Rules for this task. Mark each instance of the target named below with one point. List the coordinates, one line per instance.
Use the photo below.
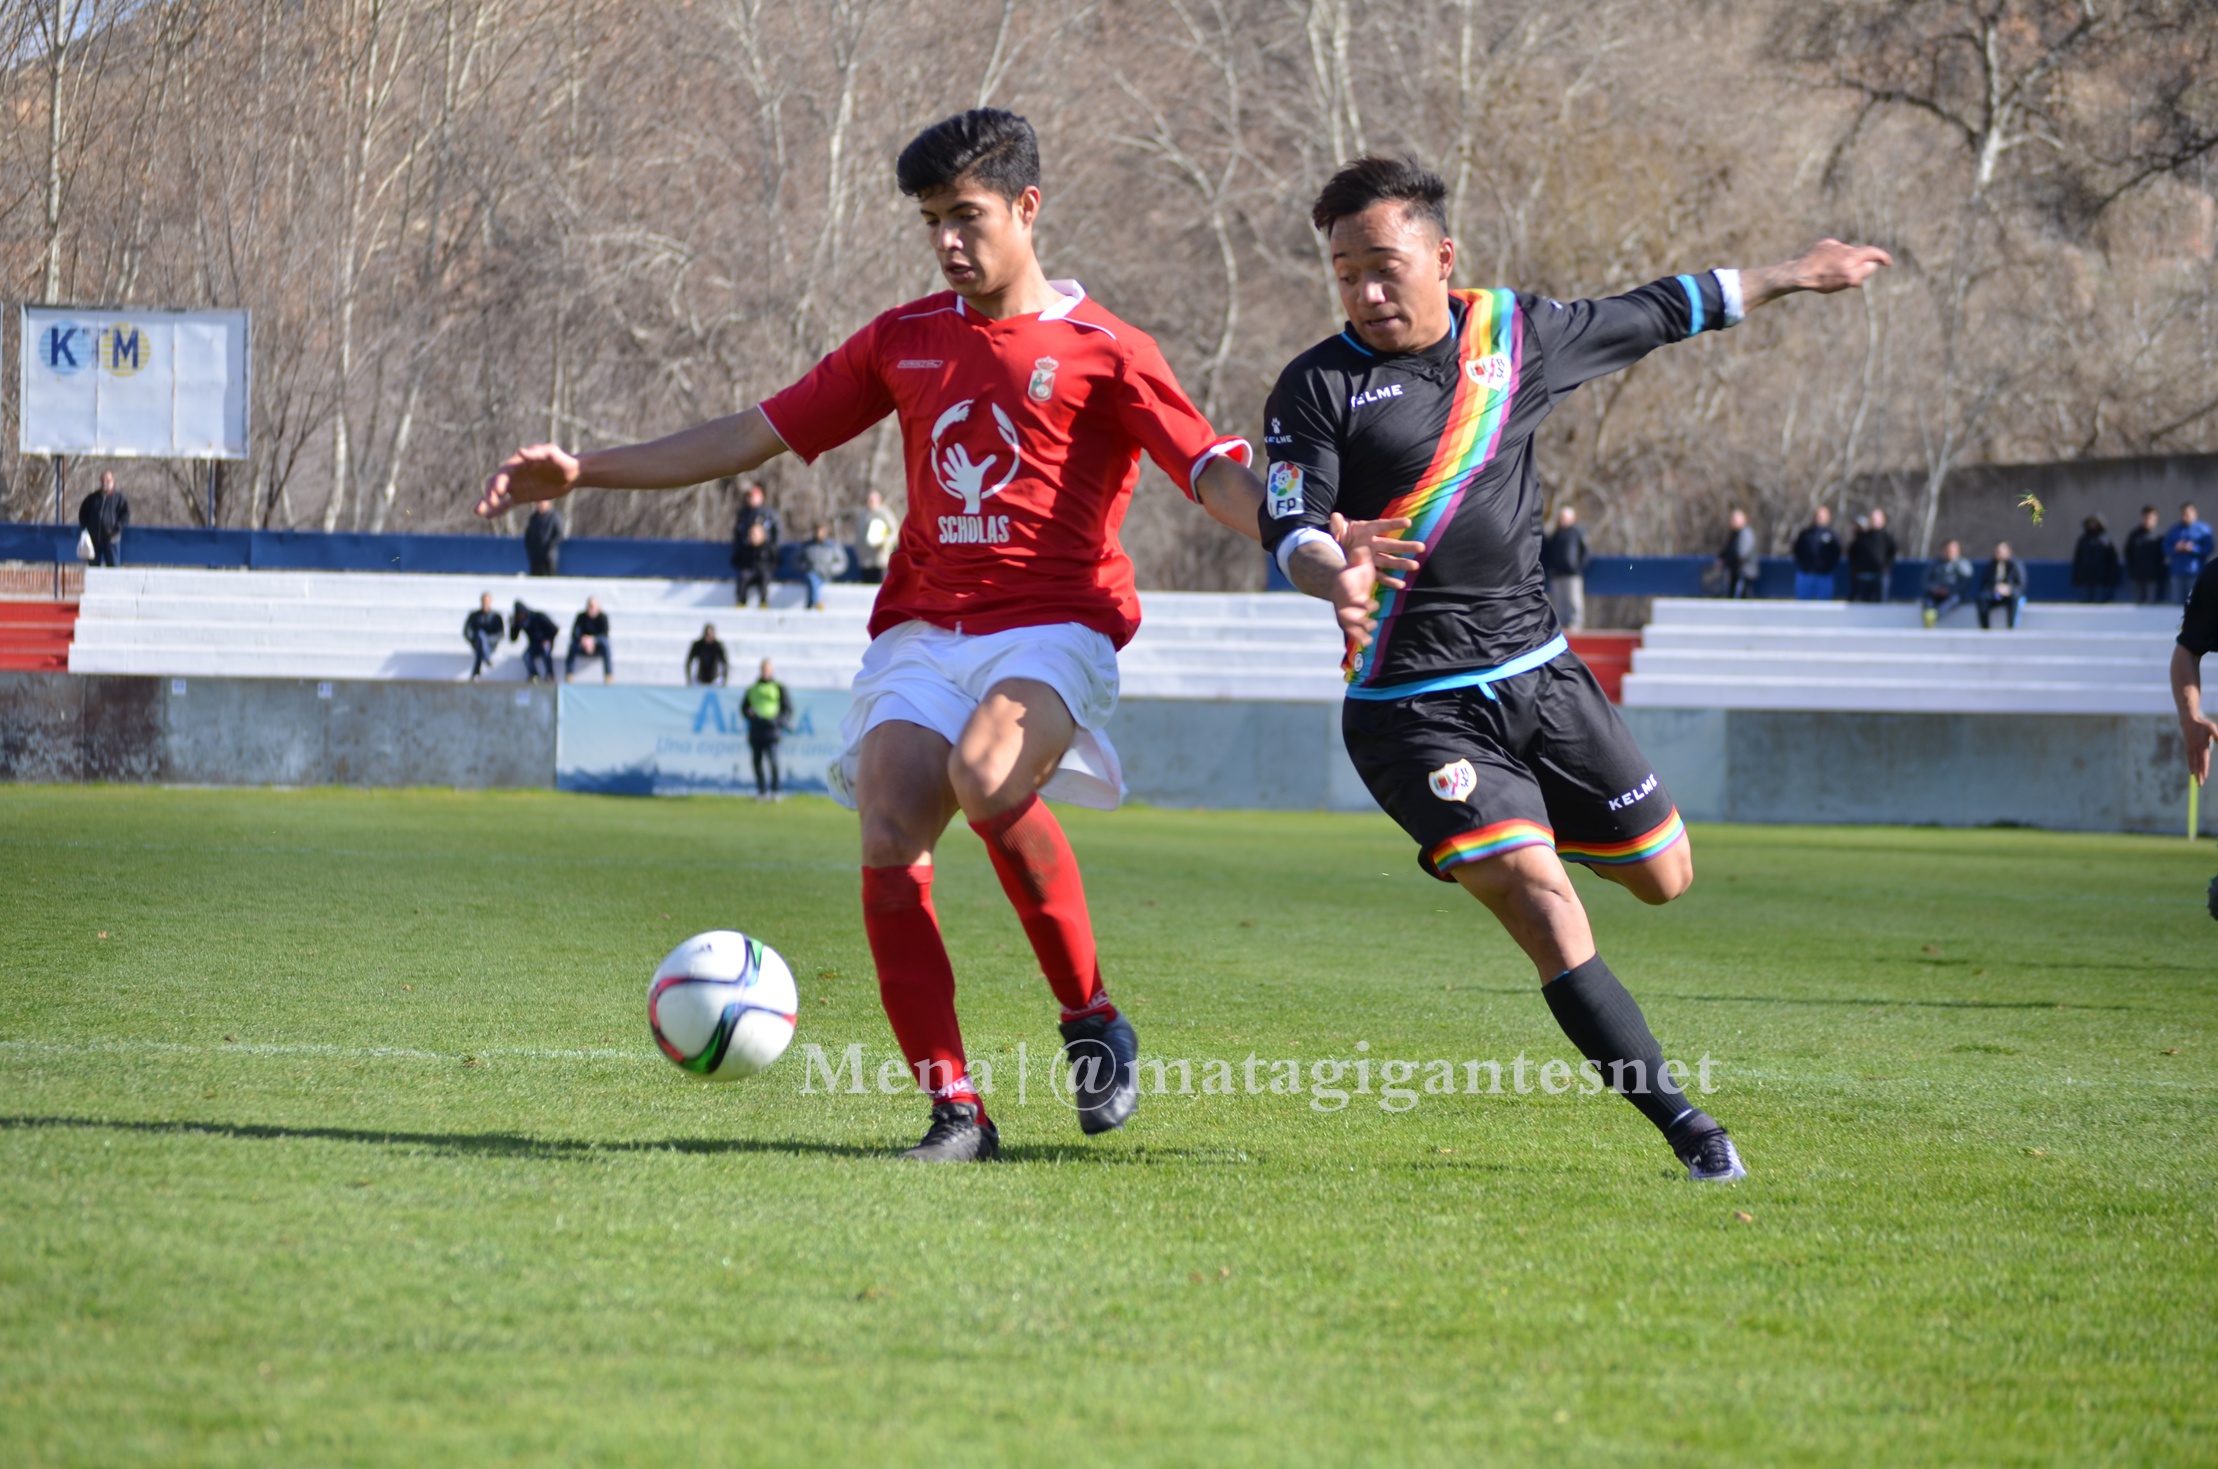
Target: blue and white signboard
(125, 381)
(618, 741)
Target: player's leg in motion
(1531, 894)
(1007, 752)
(905, 802)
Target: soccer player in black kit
(1467, 715)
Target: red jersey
(1023, 441)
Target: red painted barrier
(35, 636)
(1610, 655)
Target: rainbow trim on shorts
(1474, 430)
(1487, 841)
(1622, 854)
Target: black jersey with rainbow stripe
(1444, 436)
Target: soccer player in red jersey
(1024, 407)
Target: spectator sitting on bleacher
(2095, 562)
(705, 661)
(1948, 581)
(2001, 584)
(1871, 560)
(755, 537)
(1737, 557)
(482, 630)
(589, 639)
(2145, 560)
(2186, 547)
(1817, 551)
(539, 632)
(822, 560)
(875, 534)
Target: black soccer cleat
(1712, 1158)
(957, 1136)
(1104, 1058)
(2210, 897)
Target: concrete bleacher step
(1716, 654)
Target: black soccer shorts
(1544, 762)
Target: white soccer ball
(722, 1005)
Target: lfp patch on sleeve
(1285, 487)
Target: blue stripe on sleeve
(1688, 284)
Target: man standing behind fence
(1871, 560)
(1563, 556)
(1817, 551)
(102, 515)
(769, 711)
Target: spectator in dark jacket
(1737, 557)
(822, 560)
(482, 630)
(755, 537)
(1817, 552)
(539, 632)
(589, 639)
(1948, 581)
(1871, 560)
(1563, 556)
(2145, 565)
(102, 515)
(2095, 562)
(705, 661)
(2001, 584)
(2186, 547)
(543, 539)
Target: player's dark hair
(1373, 180)
(996, 148)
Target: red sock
(915, 981)
(1040, 875)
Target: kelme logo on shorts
(1454, 781)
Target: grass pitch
(330, 1132)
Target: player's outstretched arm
(724, 446)
(1231, 494)
(1825, 267)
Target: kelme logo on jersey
(1454, 781)
(1490, 372)
(1285, 487)
(1042, 386)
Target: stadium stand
(35, 636)
(2062, 658)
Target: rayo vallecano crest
(1042, 386)
(1454, 781)
(1490, 372)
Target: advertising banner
(618, 741)
(129, 381)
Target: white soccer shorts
(927, 675)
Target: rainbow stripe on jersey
(1620, 854)
(1489, 356)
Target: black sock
(1605, 1023)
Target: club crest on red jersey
(1454, 781)
(1042, 386)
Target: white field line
(366, 1053)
